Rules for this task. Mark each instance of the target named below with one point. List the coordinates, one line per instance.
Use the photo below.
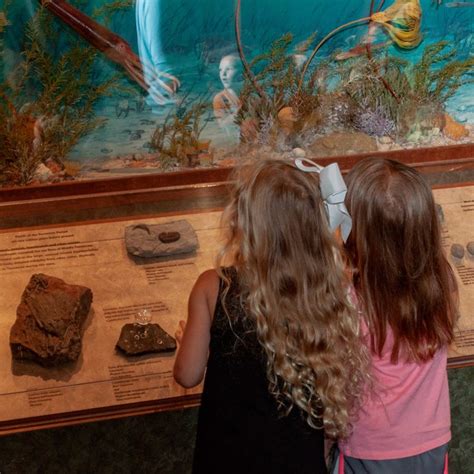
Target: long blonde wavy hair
(295, 288)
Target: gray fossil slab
(160, 240)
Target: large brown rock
(343, 143)
(49, 320)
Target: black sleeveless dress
(240, 429)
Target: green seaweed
(384, 88)
(277, 76)
(178, 138)
(422, 88)
(360, 80)
(107, 10)
(438, 75)
(49, 99)
(4, 24)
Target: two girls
(278, 331)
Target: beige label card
(94, 255)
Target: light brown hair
(294, 287)
(401, 273)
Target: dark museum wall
(163, 443)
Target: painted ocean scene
(94, 89)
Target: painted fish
(359, 50)
(459, 4)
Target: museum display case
(87, 241)
(129, 114)
(96, 90)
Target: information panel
(94, 255)
(456, 210)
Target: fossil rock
(470, 249)
(143, 240)
(136, 339)
(457, 252)
(169, 237)
(49, 321)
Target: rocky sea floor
(330, 144)
(121, 146)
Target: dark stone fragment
(457, 251)
(49, 320)
(470, 248)
(168, 237)
(136, 339)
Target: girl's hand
(180, 331)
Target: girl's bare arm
(191, 360)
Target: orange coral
(453, 129)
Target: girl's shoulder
(208, 278)
(207, 285)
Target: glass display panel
(94, 89)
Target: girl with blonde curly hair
(276, 330)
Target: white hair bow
(333, 191)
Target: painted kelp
(105, 95)
(47, 103)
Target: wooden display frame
(138, 187)
(171, 194)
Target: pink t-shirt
(407, 414)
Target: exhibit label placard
(94, 255)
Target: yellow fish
(3, 21)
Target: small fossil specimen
(168, 237)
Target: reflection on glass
(226, 103)
(162, 85)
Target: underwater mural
(92, 89)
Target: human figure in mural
(226, 103)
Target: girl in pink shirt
(407, 293)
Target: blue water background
(189, 27)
